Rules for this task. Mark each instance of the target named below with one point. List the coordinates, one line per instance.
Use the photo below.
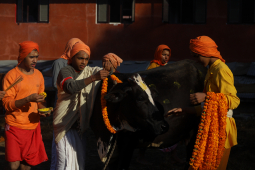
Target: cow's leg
(126, 143)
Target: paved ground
(242, 156)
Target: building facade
(130, 28)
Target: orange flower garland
(103, 102)
(223, 108)
(209, 146)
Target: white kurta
(70, 152)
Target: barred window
(115, 11)
(184, 11)
(32, 11)
(241, 11)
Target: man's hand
(35, 98)
(102, 74)
(42, 105)
(175, 110)
(43, 114)
(107, 65)
(188, 110)
(197, 98)
(2, 93)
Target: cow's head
(131, 107)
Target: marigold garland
(103, 102)
(211, 136)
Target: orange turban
(158, 54)
(26, 47)
(205, 46)
(76, 48)
(69, 47)
(114, 59)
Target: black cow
(128, 103)
(130, 108)
(174, 83)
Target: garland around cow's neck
(209, 146)
(103, 102)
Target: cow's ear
(117, 95)
(131, 81)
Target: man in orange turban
(113, 59)
(219, 79)
(23, 145)
(161, 57)
(57, 65)
(77, 85)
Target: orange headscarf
(25, 48)
(205, 46)
(69, 47)
(76, 48)
(114, 59)
(158, 54)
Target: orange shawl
(69, 47)
(158, 54)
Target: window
(241, 11)
(115, 11)
(32, 11)
(184, 11)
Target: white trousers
(69, 152)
